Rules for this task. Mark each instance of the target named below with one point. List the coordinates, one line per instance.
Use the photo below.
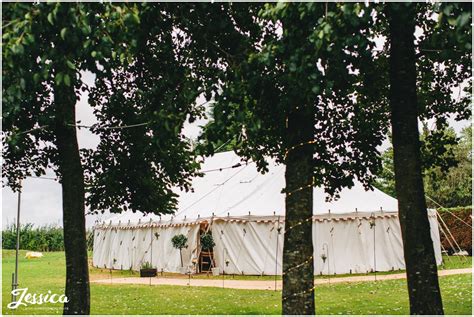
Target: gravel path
(259, 285)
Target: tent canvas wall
(244, 211)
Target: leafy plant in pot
(207, 242)
(179, 242)
(147, 270)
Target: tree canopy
(306, 55)
(447, 183)
(144, 92)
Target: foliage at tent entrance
(207, 242)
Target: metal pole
(15, 282)
(223, 270)
(375, 258)
(329, 267)
(151, 247)
(326, 252)
(276, 256)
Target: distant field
(383, 297)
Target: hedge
(43, 239)
(459, 229)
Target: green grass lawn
(383, 297)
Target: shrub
(207, 242)
(147, 265)
(43, 239)
(179, 241)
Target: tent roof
(224, 191)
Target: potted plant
(179, 242)
(207, 242)
(147, 270)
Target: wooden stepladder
(206, 261)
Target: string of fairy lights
(291, 148)
(299, 223)
(300, 293)
(309, 260)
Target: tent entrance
(206, 253)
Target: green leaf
(67, 80)
(37, 77)
(136, 18)
(86, 29)
(94, 54)
(86, 43)
(58, 78)
(30, 38)
(327, 28)
(463, 19)
(63, 33)
(452, 21)
(70, 64)
(315, 89)
(18, 49)
(50, 18)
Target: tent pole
(276, 255)
(375, 254)
(223, 270)
(329, 267)
(151, 244)
(151, 247)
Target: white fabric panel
(131, 248)
(435, 236)
(114, 248)
(250, 247)
(104, 251)
(166, 257)
(97, 249)
(342, 245)
(348, 246)
(124, 253)
(142, 245)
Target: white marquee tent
(244, 210)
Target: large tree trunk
(72, 179)
(422, 276)
(298, 269)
